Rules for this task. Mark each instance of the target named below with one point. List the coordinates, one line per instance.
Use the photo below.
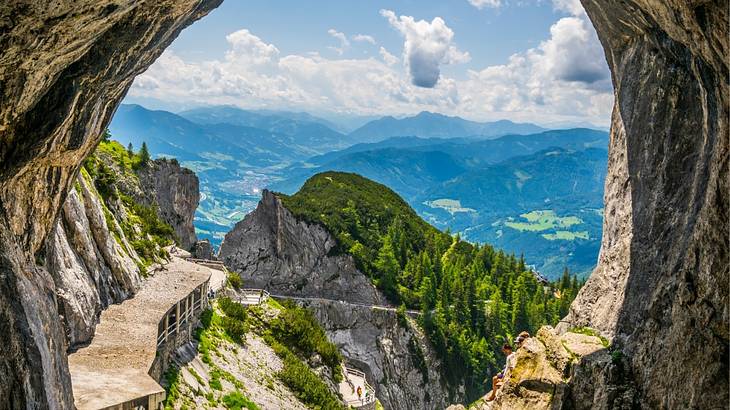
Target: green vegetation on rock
(473, 298)
(237, 401)
(298, 329)
(111, 169)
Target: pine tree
(144, 154)
(130, 150)
(388, 268)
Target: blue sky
(481, 59)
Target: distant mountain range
(427, 124)
(517, 186)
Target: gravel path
(113, 368)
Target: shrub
(297, 327)
(234, 280)
(303, 382)
(235, 322)
(237, 401)
(235, 329)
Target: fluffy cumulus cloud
(427, 46)
(563, 79)
(480, 4)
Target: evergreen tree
(144, 154)
(388, 269)
(130, 150)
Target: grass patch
(590, 332)
(566, 235)
(538, 221)
(172, 380)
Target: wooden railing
(369, 392)
(181, 313)
(252, 296)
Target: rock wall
(661, 287)
(65, 66)
(271, 249)
(91, 263)
(175, 192)
(394, 354)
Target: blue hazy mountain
(480, 151)
(304, 129)
(168, 134)
(427, 124)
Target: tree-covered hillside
(472, 297)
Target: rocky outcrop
(572, 371)
(91, 262)
(203, 250)
(661, 288)
(393, 352)
(273, 250)
(64, 68)
(174, 190)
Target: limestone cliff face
(394, 354)
(65, 66)
(91, 262)
(271, 249)
(174, 190)
(661, 287)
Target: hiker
(359, 393)
(497, 381)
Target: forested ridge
(473, 297)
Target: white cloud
(562, 79)
(427, 46)
(344, 42)
(388, 58)
(246, 46)
(573, 7)
(480, 4)
(364, 38)
(574, 53)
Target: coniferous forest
(472, 297)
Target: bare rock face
(91, 263)
(395, 355)
(661, 287)
(174, 190)
(203, 250)
(65, 66)
(271, 249)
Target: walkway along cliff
(661, 287)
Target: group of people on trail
(498, 380)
